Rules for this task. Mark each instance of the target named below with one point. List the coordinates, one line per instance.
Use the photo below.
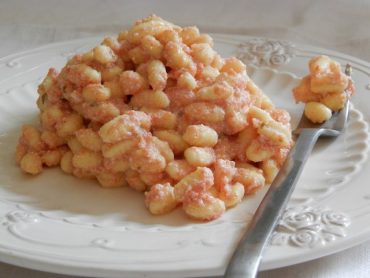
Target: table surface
(338, 25)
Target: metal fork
(246, 258)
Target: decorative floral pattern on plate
(309, 227)
(265, 52)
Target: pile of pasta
(159, 110)
(324, 90)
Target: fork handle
(246, 258)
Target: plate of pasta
(62, 221)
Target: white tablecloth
(338, 25)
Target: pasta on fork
(324, 90)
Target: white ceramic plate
(57, 223)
